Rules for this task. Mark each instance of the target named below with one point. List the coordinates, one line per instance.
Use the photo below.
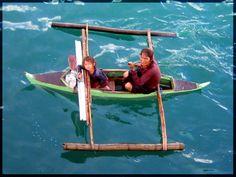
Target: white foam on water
(196, 7)
(203, 160)
(18, 8)
(28, 25)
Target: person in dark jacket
(144, 77)
(98, 78)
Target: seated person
(98, 79)
(143, 77)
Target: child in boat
(98, 79)
(145, 77)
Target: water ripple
(112, 48)
(42, 135)
(202, 160)
(20, 25)
(46, 22)
(28, 25)
(143, 10)
(217, 102)
(196, 6)
(18, 8)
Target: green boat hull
(52, 81)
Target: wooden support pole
(121, 147)
(162, 116)
(149, 39)
(84, 54)
(160, 104)
(88, 87)
(111, 30)
(87, 51)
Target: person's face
(89, 66)
(72, 65)
(145, 60)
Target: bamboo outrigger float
(111, 30)
(169, 84)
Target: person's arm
(144, 78)
(79, 69)
(102, 78)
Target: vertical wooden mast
(88, 87)
(160, 104)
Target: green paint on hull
(111, 94)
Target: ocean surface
(36, 122)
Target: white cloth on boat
(71, 79)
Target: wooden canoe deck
(184, 85)
(51, 78)
(54, 78)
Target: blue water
(36, 122)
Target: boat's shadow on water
(28, 88)
(82, 156)
(81, 129)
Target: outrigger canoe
(169, 85)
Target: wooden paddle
(160, 104)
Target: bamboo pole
(87, 39)
(160, 104)
(162, 116)
(88, 78)
(88, 94)
(121, 147)
(85, 77)
(111, 30)
(149, 39)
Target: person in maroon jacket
(144, 77)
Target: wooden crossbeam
(121, 147)
(111, 30)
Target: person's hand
(79, 76)
(131, 65)
(126, 74)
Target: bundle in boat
(122, 147)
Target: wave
(28, 25)
(196, 7)
(56, 2)
(142, 10)
(112, 48)
(201, 160)
(20, 25)
(46, 22)
(18, 8)
(217, 102)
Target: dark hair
(89, 59)
(148, 52)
